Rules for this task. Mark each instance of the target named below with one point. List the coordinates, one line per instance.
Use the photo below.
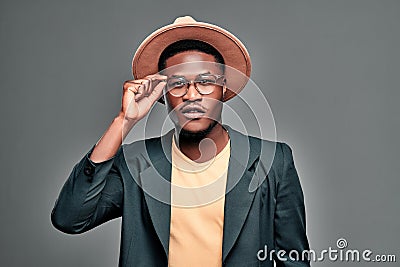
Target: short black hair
(188, 45)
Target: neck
(207, 147)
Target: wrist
(121, 117)
(125, 123)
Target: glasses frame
(188, 83)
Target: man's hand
(140, 95)
(137, 99)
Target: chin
(197, 129)
(195, 126)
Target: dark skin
(214, 141)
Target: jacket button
(88, 170)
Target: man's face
(194, 112)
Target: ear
(224, 89)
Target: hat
(145, 60)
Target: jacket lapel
(238, 198)
(156, 186)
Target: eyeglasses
(204, 84)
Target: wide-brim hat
(236, 57)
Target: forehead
(191, 63)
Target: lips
(193, 111)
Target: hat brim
(145, 60)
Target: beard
(185, 135)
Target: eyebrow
(181, 76)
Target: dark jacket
(264, 204)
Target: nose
(192, 93)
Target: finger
(133, 89)
(134, 86)
(154, 80)
(157, 92)
(157, 78)
(141, 92)
(147, 87)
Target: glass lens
(177, 86)
(205, 83)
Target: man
(185, 197)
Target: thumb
(157, 92)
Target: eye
(205, 80)
(176, 83)
(179, 83)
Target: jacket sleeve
(92, 195)
(290, 223)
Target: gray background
(330, 70)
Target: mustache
(193, 105)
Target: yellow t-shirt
(197, 209)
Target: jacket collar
(238, 199)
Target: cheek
(214, 106)
(172, 102)
(218, 93)
(215, 99)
